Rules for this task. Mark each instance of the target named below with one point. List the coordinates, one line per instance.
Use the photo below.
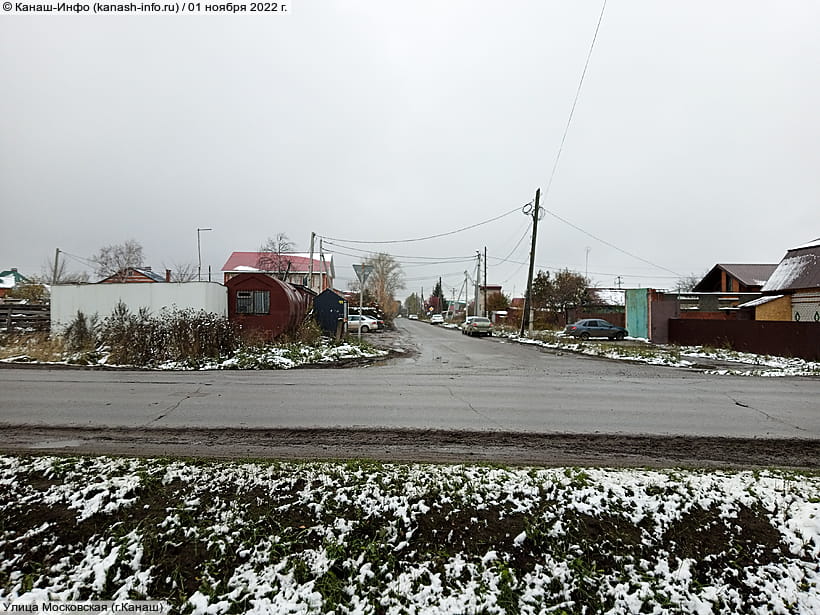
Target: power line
(466, 228)
(606, 243)
(575, 101)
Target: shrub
(184, 336)
(81, 334)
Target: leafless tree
(275, 256)
(118, 259)
(62, 275)
(182, 272)
(687, 283)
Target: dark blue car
(595, 327)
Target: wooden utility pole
(310, 263)
(525, 318)
(56, 265)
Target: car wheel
(365, 328)
(619, 336)
(584, 335)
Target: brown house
(738, 278)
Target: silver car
(477, 325)
(365, 323)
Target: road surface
(488, 389)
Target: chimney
(167, 275)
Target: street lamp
(199, 251)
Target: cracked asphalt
(439, 397)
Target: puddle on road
(56, 444)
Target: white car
(413, 317)
(365, 323)
(436, 319)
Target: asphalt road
(452, 383)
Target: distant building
(10, 279)
(796, 283)
(135, 275)
(294, 268)
(740, 278)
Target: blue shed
(329, 309)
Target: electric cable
(461, 230)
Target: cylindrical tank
(262, 303)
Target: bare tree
(386, 278)
(118, 259)
(182, 272)
(687, 283)
(62, 275)
(275, 256)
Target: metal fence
(778, 338)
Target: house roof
(746, 274)
(11, 278)
(760, 301)
(799, 269)
(245, 262)
(139, 271)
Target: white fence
(101, 299)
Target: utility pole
(199, 254)
(477, 282)
(310, 264)
(525, 318)
(56, 264)
(486, 311)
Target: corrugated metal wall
(101, 299)
(783, 339)
(637, 312)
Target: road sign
(363, 272)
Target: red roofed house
(294, 268)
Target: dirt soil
(406, 445)
(398, 445)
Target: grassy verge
(369, 538)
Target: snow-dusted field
(370, 538)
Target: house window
(730, 285)
(253, 302)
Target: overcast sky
(695, 140)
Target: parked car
(436, 319)
(594, 327)
(413, 317)
(477, 325)
(373, 313)
(365, 323)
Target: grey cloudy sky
(696, 138)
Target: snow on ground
(736, 363)
(363, 538)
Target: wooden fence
(16, 316)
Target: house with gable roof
(10, 279)
(294, 268)
(793, 288)
(735, 278)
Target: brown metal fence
(782, 339)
